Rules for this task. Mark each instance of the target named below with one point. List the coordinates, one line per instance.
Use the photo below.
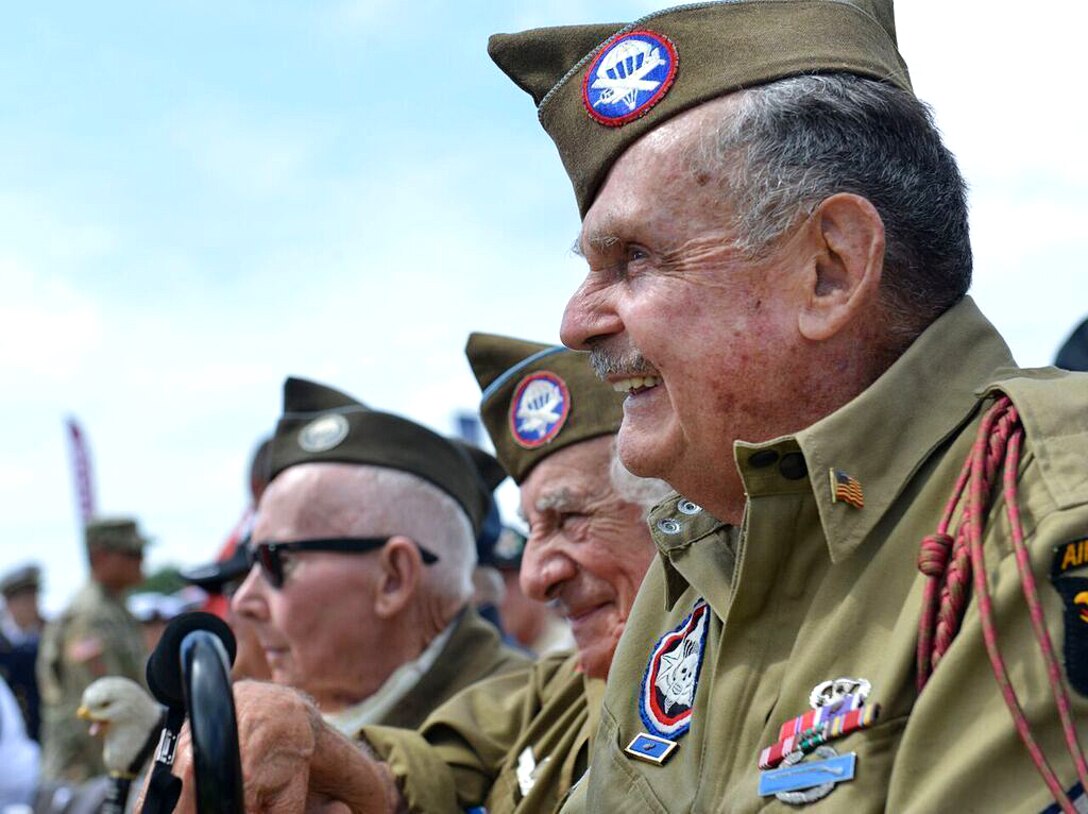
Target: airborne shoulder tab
(1070, 557)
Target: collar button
(668, 526)
(792, 466)
(763, 458)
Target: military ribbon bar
(818, 726)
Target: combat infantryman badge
(539, 409)
(802, 781)
(630, 75)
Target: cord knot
(933, 556)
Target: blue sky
(198, 199)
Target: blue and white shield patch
(539, 409)
(630, 75)
(672, 675)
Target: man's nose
(590, 315)
(249, 600)
(544, 567)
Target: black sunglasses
(269, 555)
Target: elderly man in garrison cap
(95, 636)
(858, 606)
(364, 543)
(512, 744)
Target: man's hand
(292, 761)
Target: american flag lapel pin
(846, 489)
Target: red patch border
(651, 102)
(556, 379)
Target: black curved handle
(205, 674)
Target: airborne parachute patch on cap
(539, 409)
(629, 76)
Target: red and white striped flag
(82, 476)
(846, 489)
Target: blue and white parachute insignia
(539, 409)
(630, 75)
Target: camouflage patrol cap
(537, 399)
(323, 425)
(114, 534)
(598, 89)
(23, 578)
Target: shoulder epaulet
(1053, 408)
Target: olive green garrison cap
(598, 88)
(323, 425)
(537, 399)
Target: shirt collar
(676, 523)
(881, 437)
(374, 708)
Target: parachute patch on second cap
(539, 409)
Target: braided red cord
(1035, 607)
(950, 561)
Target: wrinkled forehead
(571, 478)
(666, 166)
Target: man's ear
(846, 235)
(401, 571)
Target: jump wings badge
(630, 75)
(668, 687)
(539, 409)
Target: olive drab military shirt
(734, 629)
(474, 652)
(514, 743)
(95, 637)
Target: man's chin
(640, 454)
(594, 658)
(594, 665)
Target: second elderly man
(511, 743)
(364, 545)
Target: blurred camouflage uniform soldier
(94, 637)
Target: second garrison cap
(599, 88)
(115, 534)
(323, 425)
(537, 399)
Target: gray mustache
(606, 363)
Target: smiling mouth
(635, 384)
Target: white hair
(399, 502)
(643, 492)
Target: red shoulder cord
(951, 561)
